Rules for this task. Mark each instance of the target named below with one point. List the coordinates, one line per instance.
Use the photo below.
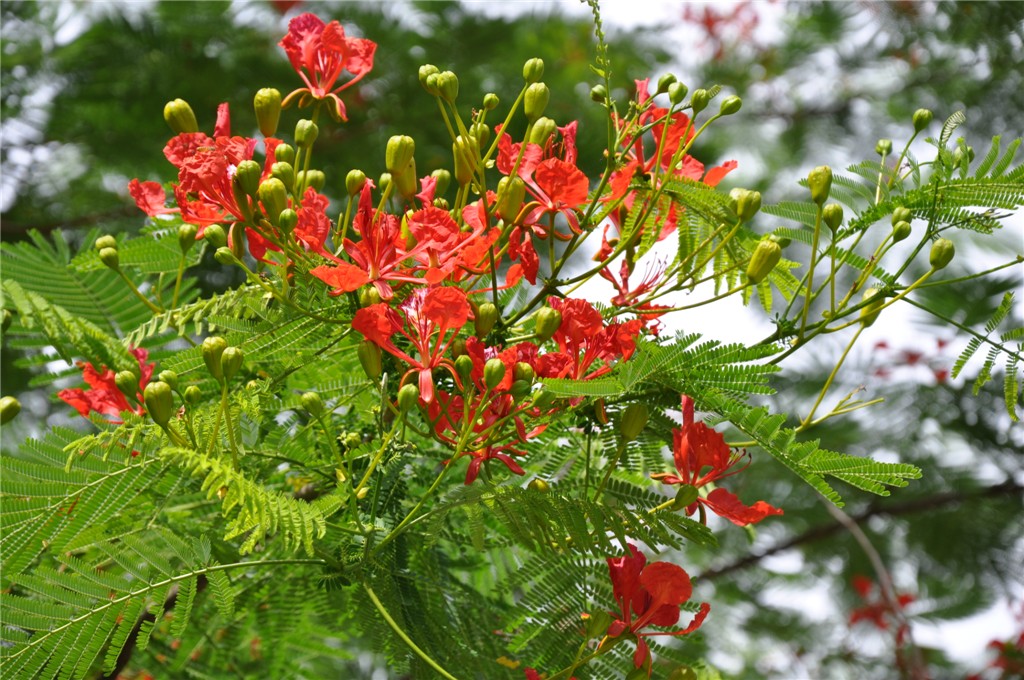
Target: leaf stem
(402, 634)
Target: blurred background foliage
(84, 84)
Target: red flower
(319, 53)
(103, 396)
(583, 338)
(702, 457)
(313, 226)
(559, 187)
(649, 595)
(150, 197)
(878, 610)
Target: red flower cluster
(103, 396)
(876, 610)
(702, 457)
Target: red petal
(715, 175)
(343, 277)
(667, 583)
(727, 505)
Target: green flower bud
(425, 72)
(511, 194)
(213, 348)
(127, 382)
(819, 181)
(535, 101)
(215, 236)
(533, 70)
(109, 257)
(542, 131)
(832, 215)
(369, 295)
(781, 240)
(159, 401)
(870, 311)
(444, 178)
(922, 119)
(958, 155)
(900, 231)
(284, 172)
(306, 132)
(355, 180)
(458, 347)
(284, 153)
(193, 394)
(883, 147)
(494, 373)
(699, 100)
(169, 377)
(408, 398)
(448, 86)
(491, 101)
(267, 104)
(464, 367)
(313, 404)
(901, 214)
(179, 116)
(484, 318)
(288, 219)
(941, 254)
(467, 156)
(431, 84)
(406, 182)
(686, 495)
(633, 422)
(520, 389)
(599, 94)
(543, 399)
(480, 132)
(677, 93)
(766, 255)
(548, 322)
(745, 203)
(274, 197)
(9, 409)
(237, 240)
(539, 485)
(665, 82)
(730, 105)
(105, 241)
(523, 371)
(370, 359)
(384, 181)
(313, 178)
(231, 361)
(399, 153)
(187, 237)
(224, 256)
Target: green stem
(402, 634)
(131, 284)
(810, 275)
(225, 407)
(828, 383)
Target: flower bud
(665, 82)
(941, 254)
(9, 409)
(467, 155)
(405, 182)
(464, 367)
(370, 359)
(870, 311)
(408, 397)
(883, 147)
(542, 131)
(781, 240)
(159, 401)
(169, 377)
(520, 389)
(313, 404)
(535, 101)
(179, 116)
(105, 241)
(282, 171)
(491, 101)
(543, 399)
(819, 181)
(523, 371)
(599, 93)
(267, 104)
(901, 214)
(548, 322)
(215, 236)
(633, 421)
(306, 132)
(480, 132)
(539, 485)
(686, 496)
(494, 373)
(224, 256)
(900, 231)
(109, 257)
(384, 181)
(832, 215)
(193, 394)
(730, 105)
(444, 178)
(8, 319)
(922, 119)
(399, 153)
(237, 239)
(313, 178)
(127, 382)
(533, 70)
(369, 295)
(231, 361)
(288, 219)
(425, 71)
(187, 237)
(699, 100)
(274, 197)
(355, 180)
(745, 203)
(484, 318)
(958, 155)
(677, 93)
(284, 153)
(511, 194)
(766, 255)
(448, 86)
(213, 348)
